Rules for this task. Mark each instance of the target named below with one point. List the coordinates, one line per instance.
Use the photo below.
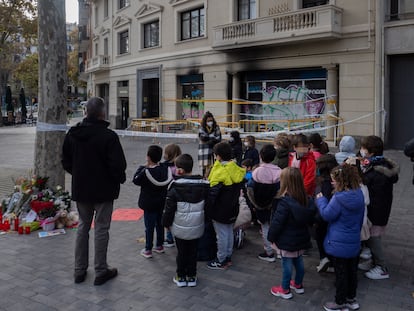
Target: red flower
(38, 206)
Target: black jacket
(379, 176)
(93, 155)
(154, 182)
(281, 158)
(223, 203)
(289, 224)
(251, 153)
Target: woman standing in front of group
(209, 134)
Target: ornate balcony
(97, 63)
(316, 23)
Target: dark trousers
(152, 221)
(346, 278)
(320, 234)
(186, 257)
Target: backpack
(261, 195)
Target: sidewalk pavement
(37, 273)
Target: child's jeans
(152, 221)
(225, 240)
(287, 264)
(169, 236)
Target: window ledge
(191, 40)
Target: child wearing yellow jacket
(226, 180)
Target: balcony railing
(97, 63)
(315, 23)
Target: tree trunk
(52, 91)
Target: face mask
(231, 139)
(363, 153)
(210, 123)
(246, 144)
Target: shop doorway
(150, 98)
(124, 112)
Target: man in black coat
(93, 155)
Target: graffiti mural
(192, 107)
(290, 103)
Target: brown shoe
(110, 274)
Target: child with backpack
(261, 191)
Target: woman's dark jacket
(93, 155)
(289, 224)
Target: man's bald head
(95, 108)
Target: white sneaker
(365, 265)
(323, 265)
(377, 273)
(365, 253)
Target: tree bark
(52, 91)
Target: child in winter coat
(184, 213)
(282, 145)
(261, 191)
(236, 146)
(171, 152)
(292, 212)
(304, 159)
(379, 175)
(250, 151)
(153, 180)
(317, 145)
(324, 166)
(344, 214)
(346, 149)
(226, 180)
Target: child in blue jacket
(344, 214)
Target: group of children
(294, 187)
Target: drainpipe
(379, 116)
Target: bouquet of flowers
(31, 195)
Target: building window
(106, 8)
(192, 24)
(96, 16)
(106, 46)
(246, 9)
(311, 3)
(151, 34)
(122, 3)
(124, 42)
(96, 49)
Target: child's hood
(159, 176)
(227, 173)
(347, 144)
(389, 169)
(267, 173)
